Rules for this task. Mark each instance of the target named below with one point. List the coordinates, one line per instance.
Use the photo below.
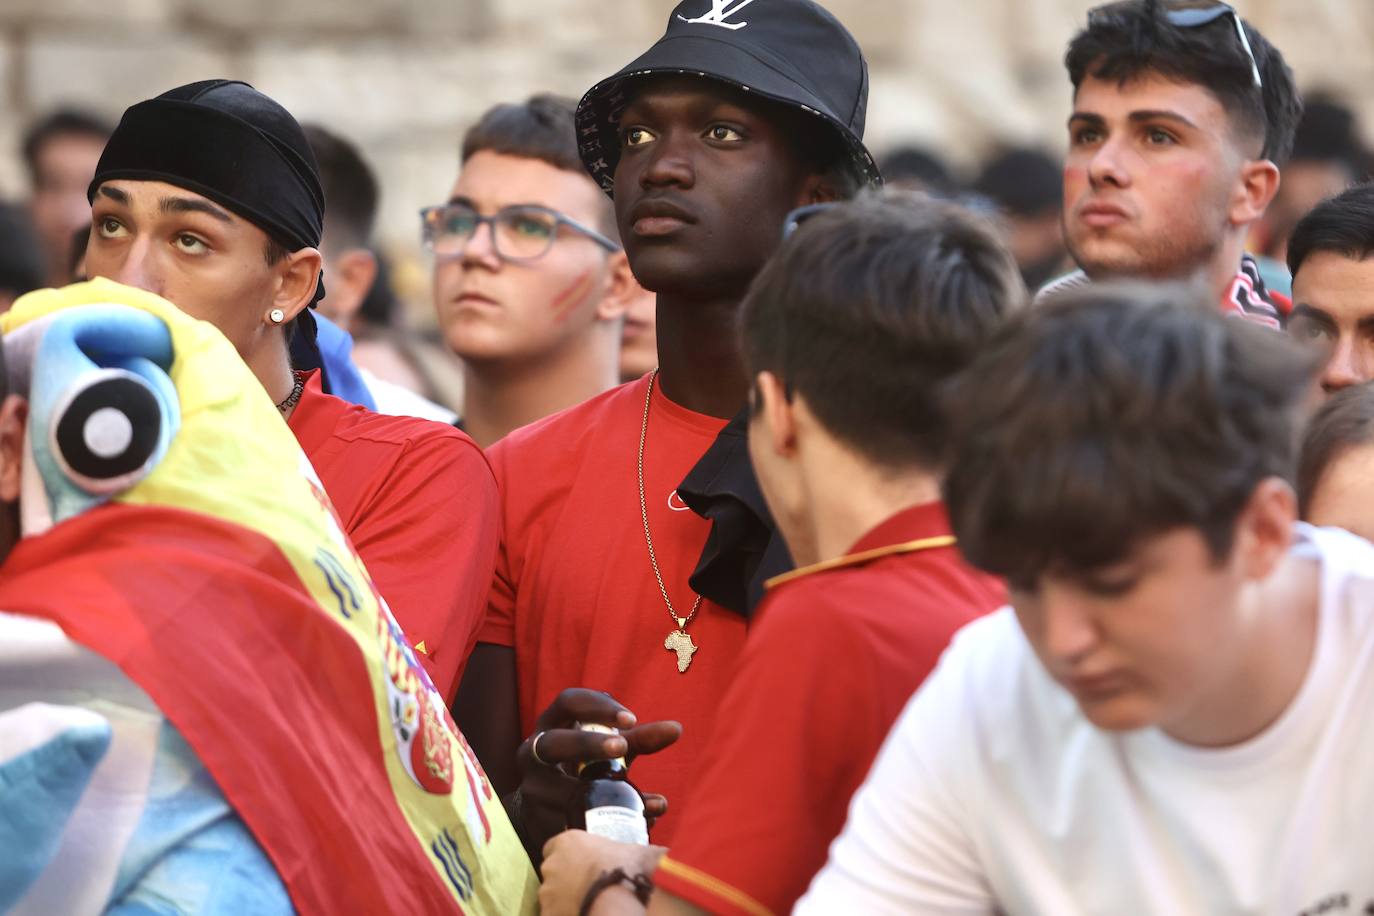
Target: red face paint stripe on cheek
(565, 301)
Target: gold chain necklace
(678, 640)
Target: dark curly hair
(1130, 38)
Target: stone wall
(404, 77)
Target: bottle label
(619, 824)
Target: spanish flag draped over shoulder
(216, 577)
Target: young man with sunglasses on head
(1172, 716)
(732, 120)
(530, 283)
(1182, 118)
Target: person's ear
(1264, 528)
(297, 275)
(1259, 182)
(621, 288)
(350, 279)
(817, 189)
(14, 415)
(775, 410)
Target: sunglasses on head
(1192, 18)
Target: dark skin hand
(539, 808)
(492, 727)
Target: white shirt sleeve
(905, 848)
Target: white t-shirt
(994, 794)
(398, 401)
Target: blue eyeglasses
(519, 233)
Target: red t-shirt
(574, 593)
(419, 502)
(833, 657)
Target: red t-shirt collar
(316, 414)
(922, 527)
(927, 520)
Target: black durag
(229, 143)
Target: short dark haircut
(65, 122)
(1343, 224)
(541, 127)
(1132, 38)
(1344, 422)
(868, 306)
(380, 307)
(916, 165)
(350, 189)
(1328, 133)
(1023, 182)
(1114, 414)
(21, 256)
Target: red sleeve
(782, 765)
(498, 627)
(1281, 302)
(429, 540)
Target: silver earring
(277, 316)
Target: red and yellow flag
(223, 586)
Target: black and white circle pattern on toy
(105, 431)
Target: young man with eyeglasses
(1182, 118)
(1172, 716)
(733, 119)
(530, 283)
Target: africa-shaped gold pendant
(680, 642)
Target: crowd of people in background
(925, 541)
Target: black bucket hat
(789, 51)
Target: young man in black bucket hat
(737, 116)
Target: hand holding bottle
(546, 786)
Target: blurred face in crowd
(1333, 309)
(1155, 639)
(351, 273)
(706, 177)
(14, 412)
(638, 339)
(210, 263)
(1306, 183)
(1153, 180)
(495, 308)
(1345, 491)
(63, 168)
(1037, 244)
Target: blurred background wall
(403, 78)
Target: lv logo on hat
(721, 10)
